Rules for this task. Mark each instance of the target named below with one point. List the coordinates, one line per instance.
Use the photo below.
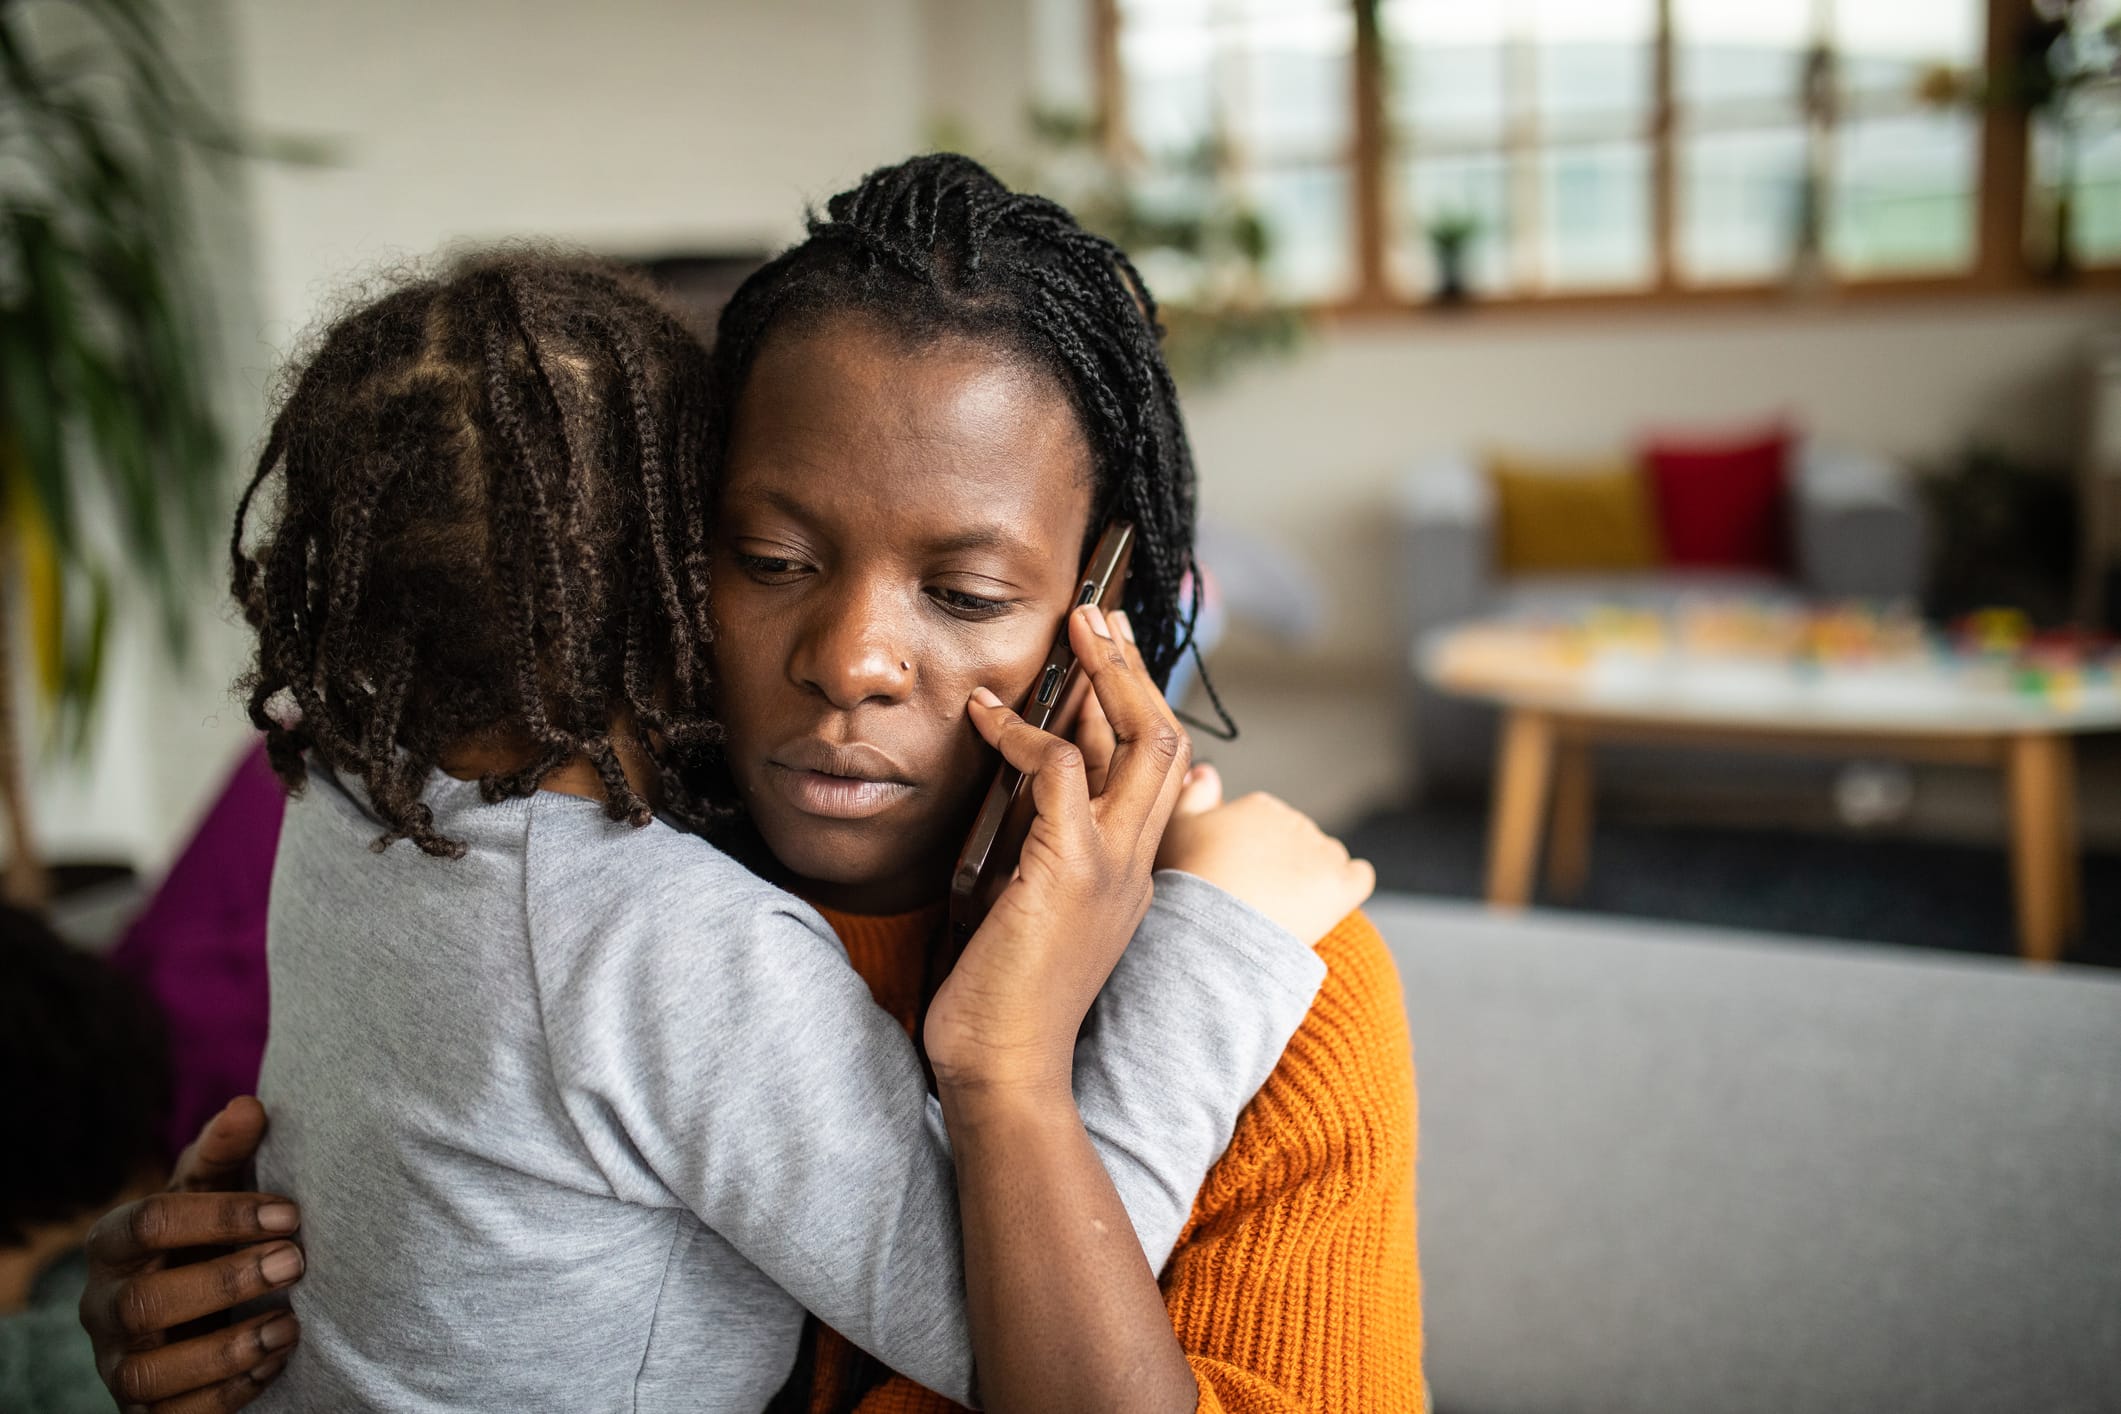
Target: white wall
(632, 126)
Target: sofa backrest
(1671, 1169)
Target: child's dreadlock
(490, 525)
(937, 246)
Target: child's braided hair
(490, 519)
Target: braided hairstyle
(490, 522)
(936, 246)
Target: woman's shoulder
(1339, 1108)
(1361, 999)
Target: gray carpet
(1865, 888)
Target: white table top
(1897, 697)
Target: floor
(1921, 893)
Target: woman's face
(898, 525)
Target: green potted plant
(112, 470)
(1451, 236)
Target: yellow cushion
(1555, 515)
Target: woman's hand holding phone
(1009, 1012)
(1064, 1312)
(1257, 848)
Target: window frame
(2002, 263)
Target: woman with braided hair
(936, 401)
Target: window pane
(1247, 101)
(1445, 63)
(1311, 251)
(1882, 47)
(1292, 73)
(1471, 186)
(1738, 203)
(1595, 205)
(1735, 59)
(1271, 79)
(1169, 75)
(1594, 63)
(2085, 153)
(2096, 221)
(2095, 200)
(1902, 199)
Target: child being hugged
(581, 1112)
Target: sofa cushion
(1572, 515)
(1723, 501)
(1670, 1169)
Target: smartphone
(988, 860)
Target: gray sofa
(1674, 1171)
(1856, 528)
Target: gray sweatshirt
(586, 1119)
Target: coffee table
(1562, 692)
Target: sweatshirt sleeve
(716, 1052)
(1296, 1287)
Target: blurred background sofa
(1666, 1170)
(1854, 528)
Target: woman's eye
(970, 605)
(769, 566)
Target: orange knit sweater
(1293, 1286)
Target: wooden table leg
(2039, 765)
(1524, 762)
(2069, 863)
(1569, 833)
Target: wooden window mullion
(1112, 134)
(2003, 184)
(1372, 154)
(1664, 157)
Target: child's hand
(1267, 853)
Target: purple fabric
(199, 948)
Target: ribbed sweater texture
(1294, 1286)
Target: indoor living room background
(1660, 473)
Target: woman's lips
(834, 797)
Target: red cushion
(1723, 503)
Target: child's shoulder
(587, 874)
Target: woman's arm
(1296, 1288)
(1065, 1315)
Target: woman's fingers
(1150, 748)
(226, 1396)
(1059, 785)
(1093, 733)
(152, 1302)
(194, 1367)
(162, 1223)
